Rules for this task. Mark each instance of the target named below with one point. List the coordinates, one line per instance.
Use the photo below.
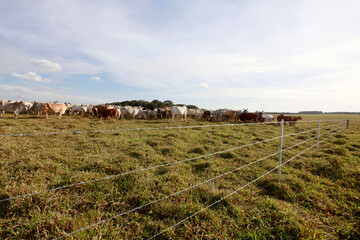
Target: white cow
(264, 117)
(178, 110)
(13, 107)
(78, 108)
(132, 111)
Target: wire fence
(194, 186)
(155, 128)
(341, 126)
(155, 167)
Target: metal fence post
(208, 168)
(347, 124)
(281, 146)
(332, 129)
(318, 135)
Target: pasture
(318, 197)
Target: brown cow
(290, 119)
(108, 113)
(98, 109)
(229, 115)
(53, 108)
(207, 115)
(246, 116)
(166, 113)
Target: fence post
(332, 129)
(318, 135)
(347, 124)
(208, 168)
(281, 144)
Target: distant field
(318, 197)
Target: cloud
(204, 85)
(96, 79)
(46, 64)
(30, 76)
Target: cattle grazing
(13, 107)
(108, 113)
(218, 115)
(290, 119)
(53, 108)
(230, 115)
(78, 108)
(131, 111)
(245, 116)
(98, 109)
(178, 110)
(167, 112)
(35, 108)
(207, 115)
(264, 117)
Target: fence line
(194, 186)
(155, 128)
(232, 193)
(154, 167)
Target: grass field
(318, 197)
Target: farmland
(318, 197)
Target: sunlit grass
(318, 196)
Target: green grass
(318, 197)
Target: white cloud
(96, 79)
(46, 64)
(46, 94)
(204, 85)
(30, 76)
(47, 88)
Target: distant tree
(157, 104)
(168, 103)
(192, 107)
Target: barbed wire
(184, 190)
(154, 167)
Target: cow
(218, 115)
(167, 112)
(78, 108)
(35, 108)
(98, 109)
(245, 116)
(207, 115)
(290, 119)
(178, 110)
(229, 115)
(108, 113)
(194, 113)
(264, 117)
(27, 108)
(53, 108)
(131, 111)
(13, 107)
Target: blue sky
(261, 55)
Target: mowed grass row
(318, 196)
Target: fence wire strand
(194, 186)
(154, 167)
(232, 193)
(154, 128)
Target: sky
(261, 55)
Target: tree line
(150, 105)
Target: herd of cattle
(137, 112)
